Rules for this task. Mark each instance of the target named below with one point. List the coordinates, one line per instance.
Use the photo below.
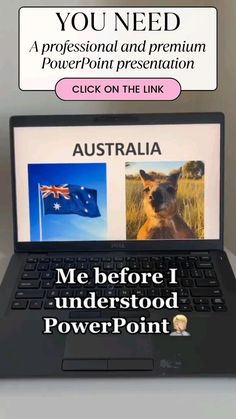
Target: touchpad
(90, 348)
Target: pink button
(118, 89)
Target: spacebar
(85, 314)
(206, 292)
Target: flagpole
(40, 215)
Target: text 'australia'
(117, 149)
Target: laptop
(119, 267)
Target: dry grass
(190, 200)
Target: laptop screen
(124, 182)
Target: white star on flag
(56, 206)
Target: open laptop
(144, 192)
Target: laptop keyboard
(198, 287)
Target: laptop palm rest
(108, 352)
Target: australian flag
(70, 199)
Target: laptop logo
(118, 245)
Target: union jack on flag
(69, 199)
(56, 191)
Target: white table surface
(118, 398)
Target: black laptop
(133, 197)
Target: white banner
(120, 42)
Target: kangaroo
(160, 206)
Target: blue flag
(70, 199)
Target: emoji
(180, 325)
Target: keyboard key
(94, 259)
(219, 307)
(48, 275)
(36, 304)
(209, 273)
(109, 292)
(19, 305)
(32, 260)
(180, 258)
(50, 304)
(218, 301)
(99, 292)
(206, 292)
(70, 265)
(182, 273)
(185, 307)
(82, 293)
(52, 293)
(47, 284)
(147, 265)
(182, 292)
(204, 265)
(184, 301)
(166, 293)
(82, 265)
(169, 259)
(85, 314)
(69, 260)
(43, 267)
(201, 301)
(207, 282)
(176, 284)
(29, 284)
(57, 260)
(153, 292)
(61, 285)
(187, 282)
(90, 284)
(30, 294)
(56, 265)
(205, 258)
(133, 265)
(44, 260)
(195, 273)
(124, 292)
(30, 275)
(120, 265)
(95, 265)
(156, 258)
(109, 313)
(139, 292)
(202, 308)
(66, 293)
(108, 266)
(193, 260)
(188, 265)
(30, 267)
(134, 313)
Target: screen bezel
(122, 119)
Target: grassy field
(190, 200)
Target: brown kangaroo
(160, 205)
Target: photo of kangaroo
(165, 200)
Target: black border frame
(118, 119)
